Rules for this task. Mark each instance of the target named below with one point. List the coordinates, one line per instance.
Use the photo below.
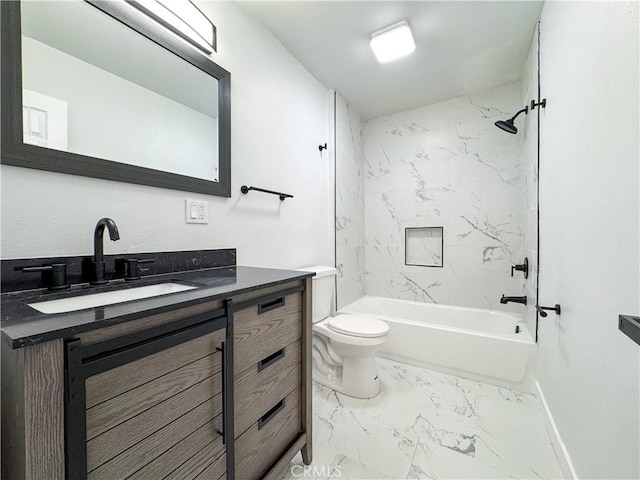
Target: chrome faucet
(98, 248)
(504, 300)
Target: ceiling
(461, 47)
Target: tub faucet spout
(504, 300)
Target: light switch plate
(196, 211)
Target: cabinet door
(138, 411)
(151, 410)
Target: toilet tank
(323, 291)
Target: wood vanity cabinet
(217, 390)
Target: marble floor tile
(428, 425)
(346, 467)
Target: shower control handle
(523, 267)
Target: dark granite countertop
(23, 326)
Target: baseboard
(556, 441)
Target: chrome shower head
(508, 125)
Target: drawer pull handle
(267, 417)
(271, 359)
(271, 305)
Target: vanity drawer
(265, 328)
(269, 438)
(260, 386)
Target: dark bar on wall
(630, 326)
(283, 196)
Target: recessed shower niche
(424, 246)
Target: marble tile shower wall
(446, 165)
(349, 204)
(530, 181)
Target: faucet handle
(521, 267)
(58, 274)
(133, 267)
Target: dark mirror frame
(16, 152)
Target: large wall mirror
(98, 89)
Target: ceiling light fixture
(183, 18)
(392, 42)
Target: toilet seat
(357, 326)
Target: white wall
(278, 115)
(349, 204)
(446, 165)
(589, 247)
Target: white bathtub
(467, 342)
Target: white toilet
(343, 346)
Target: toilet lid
(358, 326)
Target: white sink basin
(73, 304)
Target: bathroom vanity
(209, 382)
